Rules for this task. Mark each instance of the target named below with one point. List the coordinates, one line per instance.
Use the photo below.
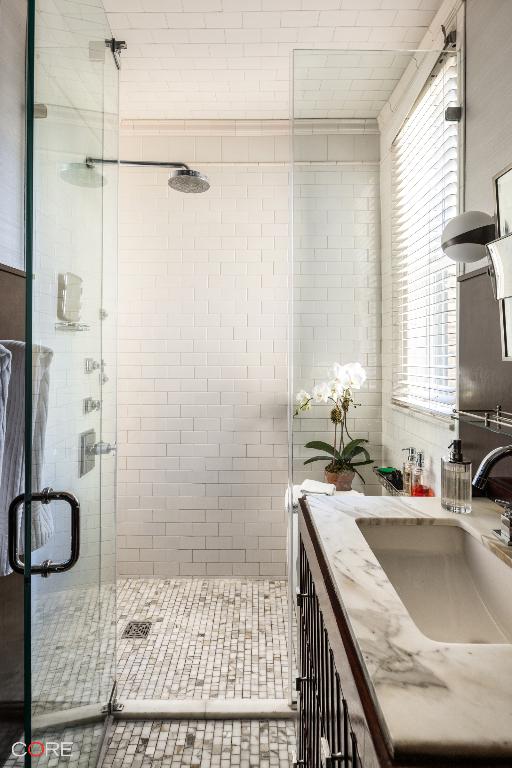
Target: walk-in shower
(182, 177)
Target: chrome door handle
(45, 497)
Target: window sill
(423, 413)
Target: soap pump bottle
(407, 470)
(456, 480)
(418, 483)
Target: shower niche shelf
(492, 419)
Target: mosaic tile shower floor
(201, 744)
(209, 638)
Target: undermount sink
(453, 587)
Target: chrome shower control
(101, 448)
(91, 365)
(90, 405)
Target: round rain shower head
(82, 175)
(187, 180)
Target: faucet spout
(493, 457)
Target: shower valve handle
(102, 448)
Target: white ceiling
(222, 59)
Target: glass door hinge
(111, 707)
(116, 46)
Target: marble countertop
(433, 698)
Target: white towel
(315, 486)
(13, 464)
(298, 492)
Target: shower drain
(137, 629)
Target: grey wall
(488, 98)
(485, 380)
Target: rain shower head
(182, 178)
(188, 180)
(82, 175)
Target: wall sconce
(465, 237)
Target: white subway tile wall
(203, 340)
(203, 362)
(337, 306)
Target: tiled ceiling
(345, 84)
(221, 59)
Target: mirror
(500, 255)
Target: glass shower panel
(338, 99)
(73, 295)
(12, 289)
(108, 374)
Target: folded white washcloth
(315, 486)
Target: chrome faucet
(482, 474)
(480, 481)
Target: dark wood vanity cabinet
(333, 728)
(326, 734)
(339, 723)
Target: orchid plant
(345, 453)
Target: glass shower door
(68, 548)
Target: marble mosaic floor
(200, 744)
(210, 638)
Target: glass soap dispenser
(408, 467)
(419, 488)
(456, 481)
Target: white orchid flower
(321, 392)
(336, 388)
(303, 399)
(356, 375)
(340, 374)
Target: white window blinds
(425, 185)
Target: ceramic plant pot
(342, 480)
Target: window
(425, 186)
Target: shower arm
(92, 161)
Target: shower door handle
(47, 566)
